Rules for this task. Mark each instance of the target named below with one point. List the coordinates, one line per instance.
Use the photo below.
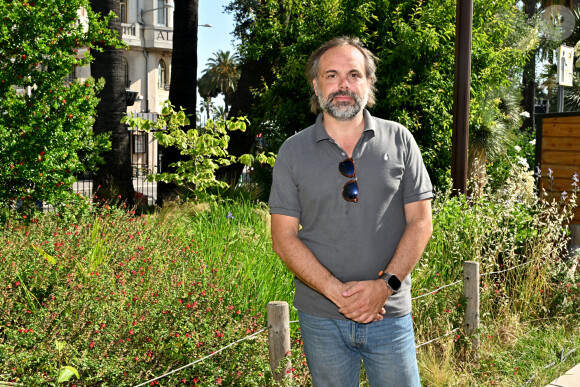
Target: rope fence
(435, 291)
(279, 326)
(203, 358)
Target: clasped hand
(364, 301)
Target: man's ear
(314, 84)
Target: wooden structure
(558, 149)
(279, 340)
(471, 294)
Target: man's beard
(344, 110)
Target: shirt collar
(320, 133)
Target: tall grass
(122, 298)
(519, 238)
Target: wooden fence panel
(558, 142)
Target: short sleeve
(284, 198)
(417, 184)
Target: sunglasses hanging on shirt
(347, 168)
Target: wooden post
(279, 338)
(471, 293)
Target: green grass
(124, 298)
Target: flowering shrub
(122, 298)
(45, 121)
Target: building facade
(147, 28)
(148, 31)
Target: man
(351, 215)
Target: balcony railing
(129, 30)
(148, 36)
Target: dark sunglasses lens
(346, 167)
(350, 191)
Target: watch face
(394, 282)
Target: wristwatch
(392, 281)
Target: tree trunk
(114, 177)
(529, 79)
(253, 74)
(183, 88)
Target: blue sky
(218, 37)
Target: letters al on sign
(565, 66)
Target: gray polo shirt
(354, 241)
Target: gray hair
(314, 63)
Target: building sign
(565, 66)
(164, 35)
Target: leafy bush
(45, 121)
(206, 150)
(519, 239)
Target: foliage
(45, 122)
(122, 298)
(522, 152)
(205, 149)
(222, 74)
(415, 41)
(528, 285)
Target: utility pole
(461, 96)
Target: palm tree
(491, 133)
(224, 73)
(115, 176)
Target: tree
(182, 92)
(223, 74)
(45, 121)
(207, 91)
(415, 43)
(183, 89)
(492, 131)
(115, 177)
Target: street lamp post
(460, 136)
(165, 6)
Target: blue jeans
(334, 350)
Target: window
(123, 11)
(126, 73)
(161, 74)
(161, 13)
(139, 142)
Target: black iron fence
(145, 191)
